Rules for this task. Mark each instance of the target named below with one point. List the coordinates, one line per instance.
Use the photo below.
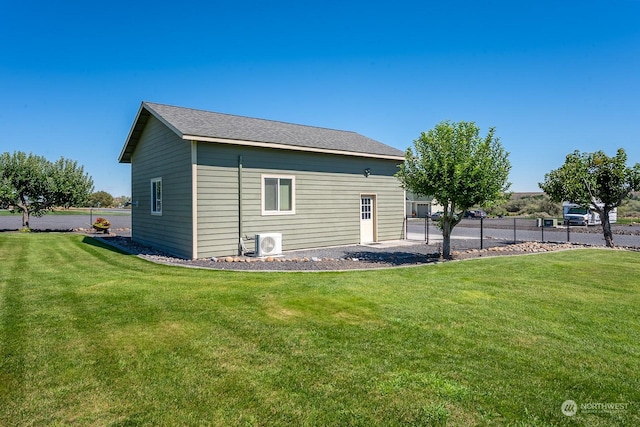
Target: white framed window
(278, 194)
(156, 196)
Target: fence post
(405, 227)
(426, 229)
(568, 235)
(481, 233)
(542, 228)
(514, 231)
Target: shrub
(102, 224)
(630, 208)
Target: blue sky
(551, 76)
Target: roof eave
(290, 147)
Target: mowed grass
(90, 336)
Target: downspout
(240, 248)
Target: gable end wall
(160, 153)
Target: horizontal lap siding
(328, 189)
(161, 154)
(217, 201)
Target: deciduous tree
(101, 198)
(596, 181)
(33, 185)
(459, 168)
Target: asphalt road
(120, 220)
(503, 230)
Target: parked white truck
(577, 215)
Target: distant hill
(520, 195)
(516, 196)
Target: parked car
(475, 214)
(479, 213)
(436, 215)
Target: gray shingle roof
(204, 125)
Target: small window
(156, 196)
(365, 208)
(278, 195)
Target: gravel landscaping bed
(336, 258)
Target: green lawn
(89, 336)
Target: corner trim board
(194, 198)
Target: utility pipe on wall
(240, 250)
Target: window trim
(263, 199)
(153, 200)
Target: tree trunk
(446, 238)
(606, 228)
(25, 213)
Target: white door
(367, 216)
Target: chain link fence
(72, 220)
(488, 232)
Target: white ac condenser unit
(268, 244)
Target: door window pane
(365, 208)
